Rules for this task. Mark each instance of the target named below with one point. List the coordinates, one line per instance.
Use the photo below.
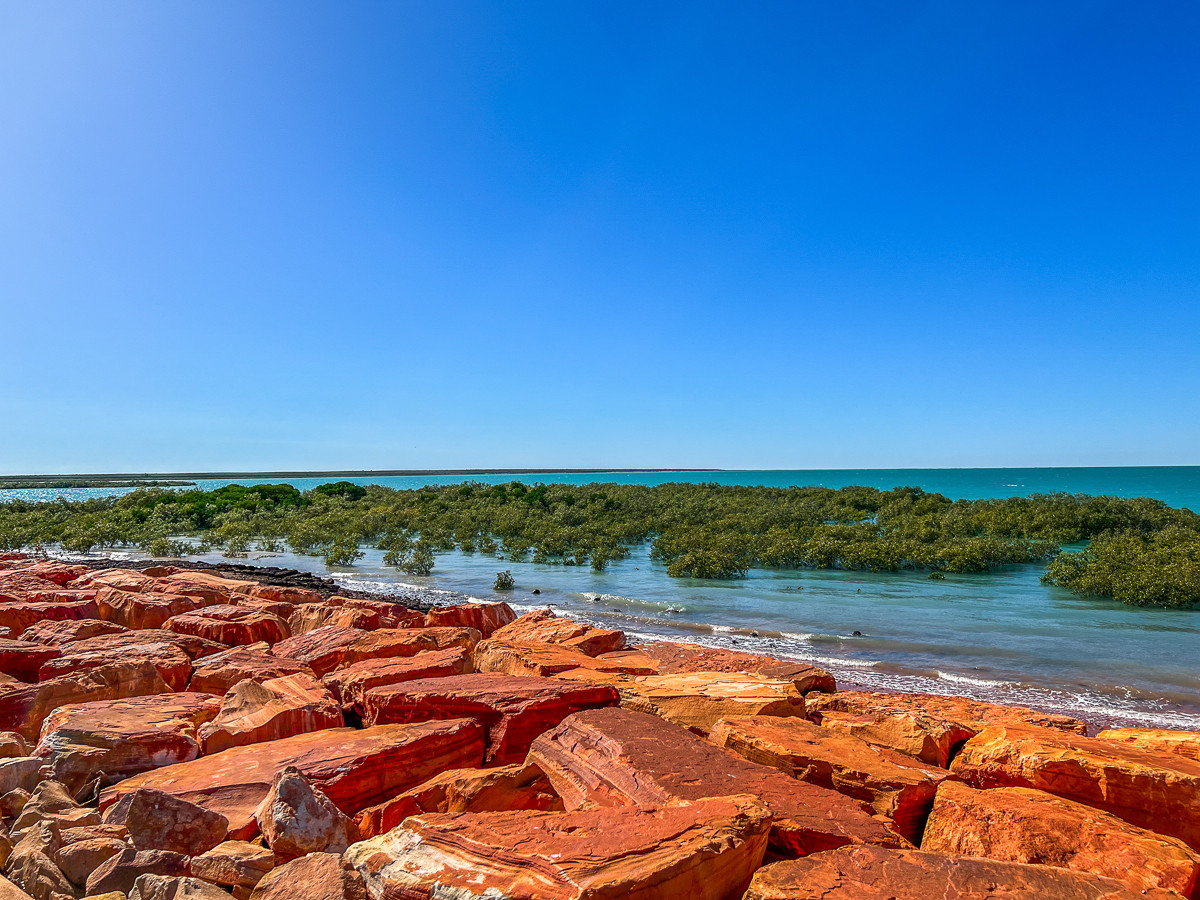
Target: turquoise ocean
(1002, 636)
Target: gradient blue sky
(252, 235)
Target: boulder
(35, 875)
(706, 850)
(123, 579)
(253, 712)
(514, 710)
(671, 658)
(698, 700)
(1156, 740)
(118, 873)
(544, 627)
(12, 745)
(540, 659)
(143, 610)
(355, 769)
(23, 709)
(115, 739)
(166, 887)
(614, 757)
(66, 631)
(22, 659)
(156, 820)
(155, 647)
(319, 876)
(234, 864)
(483, 617)
(897, 786)
(334, 647)
(321, 615)
(217, 673)
(50, 803)
(1158, 791)
(281, 594)
(230, 625)
(876, 873)
(59, 573)
(391, 615)
(929, 740)
(214, 590)
(351, 683)
(78, 860)
(1027, 826)
(275, 607)
(20, 773)
(297, 819)
(18, 616)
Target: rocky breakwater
(169, 734)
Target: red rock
(131, 642)
(212, 589)
(120, 738)
(22, 659)
(543, 626)
(334, 647)
(143, 610)
(677, 659)
(18, 616)
(275, 607)
(217, 673)
(253, 712)
(483, 617)
(77, 861)
(350, 684)
(297, 819)
(17, 586)
(155, 647)
(876, 873)
(391, 615)
(230, 625)
(119, 872)
(512, 658)
(1158, 791)
(173, 887)
(319, 876)
(499, 789)
(19, 773)
(159, 821)
(1185, 743)
(234, 864)
(24, 708)
(67, 631)
(1027, 826)
(613, 757)
(57, 572)
(514, 710)
(12, 745)
(355, 769)
(122, 579)
(928, 740)
(322, 615)
(282, 594)
(702, 851)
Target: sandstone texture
(544, 627)
(217, 673)
(351, 683)
(253, 712)
(1156, 740)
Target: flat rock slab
(22, 659)
(156, 647)
(334, 646)
(355, 769)
(253, 712)
(615, 757)
(231, 625)
(543, 626)
(1158, 791)
(673, 659)
(1156, 740)
(541, 659)
(874, 873)
(66, 631)
(698, 700)
(120, 738)
(143, 610)
(930, 740)
(897, 786)
(514, 710)
(351, 683)
(702, 851)
(217, 673)
(1028, 826)
(483, 617)
(391, 615)
(18, 616)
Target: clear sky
(251, 235)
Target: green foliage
(1157, 569)
(169, 548)
(343, 551)
(504, 581)
(345, 489)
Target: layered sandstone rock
(355, 769)
(66, 631)
(929, 740)
(217, 673)
(253, 712)
(483, 617)
(391, 615)
(297, 819)
(334, 647)
(233, 864)
(22, 659)
(1158, 791)
(1027, 826)
(18, 616)
(513, 710)
(118, 873)
(321, 615)
(143, 610)
(155, 820)
(897, 786)
(544, 627)
(156, 647)
(674, 659)
(614, 757)
(122, 579)
(541, 659)
(703, 851)
(351, 683)
(119, 738)
(1156, 740)
(231, 625)
(875, 873)
(318, 876)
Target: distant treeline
(17, 483)
(1139, 551)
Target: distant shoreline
(347, 473)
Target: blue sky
(251, 235)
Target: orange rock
(234, 864)
(119, 738)
(233, 626)
(391, 615)
(514, 710)
(253, 712)
(674, 659)
(122, 579)
(1027, 826)
(351, 683)
(282, 594)
(970, 715)
(156, 647)
(276, 607)
(334, 647)
(17, 586)
(318, 876)
(67, 631)
(322, 615)
(22, 709)
(614, 757)
(212, 589)
(57, 572)
(130, 642)
(483, 617)
(18, 616)
(897, 786)
(297, 819)
(217, 673)
(875, 873)
(143, 610)
(703, 851)
(1185, 743)
(355, 769)
(22, 659)
(118, 873)
(544, 627)
(77, 861)
(1158, 791)
(61, 595)
(698, 700)
(155, 820)
(512, 658)
(928, 740)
